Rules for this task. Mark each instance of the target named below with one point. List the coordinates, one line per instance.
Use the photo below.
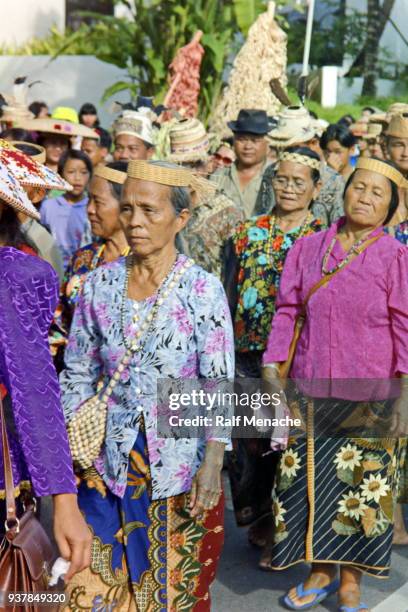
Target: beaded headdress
(297, 158)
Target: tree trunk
(385, 14)
(371, 48)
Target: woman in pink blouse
(334, 495)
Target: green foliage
(71, 43)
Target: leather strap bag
(285, 366)
(26, 553)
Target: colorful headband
(172, 177)
(375, 165)
(297, 158)
(110, 174)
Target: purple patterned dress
(39, 444)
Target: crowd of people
(157, 250)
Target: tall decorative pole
(306, 51)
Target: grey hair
(179, 196)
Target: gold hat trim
(110, 174)
(297, 158)
(367, 163)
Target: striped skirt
(146, 556)
(334, 497)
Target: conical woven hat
(13, 194)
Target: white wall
(22, 20)
(70, 80)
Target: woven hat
(57, 126)
(13, 194)
(359, 128)
(295, 124)
(39, 156)
(373, 131)
(27, 171)
(135, 123)
(398, 126)
(189, 141)
(398, 108)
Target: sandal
(320, 595)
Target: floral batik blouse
(259, 252)
(192, 338)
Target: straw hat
(374, 130)
(359, 128)
(39, 157)
(27, 171)
(57, 126)
(398, 108)
(13, 194)
(398, 126)
(189, 141)
(295, 124)
(135, 123)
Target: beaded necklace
(354, 250)
(136, 345)
(273, 254)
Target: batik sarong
(146, 556)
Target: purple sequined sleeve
(28, 296)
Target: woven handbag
(87, 428)
(26, 553)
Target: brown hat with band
(57, 126)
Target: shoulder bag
(26, 552)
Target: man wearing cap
(214, 216)
(296, 127)
(133, 135)
(242, 180)
(97, 149)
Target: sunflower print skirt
(334, 497)
(146, 556)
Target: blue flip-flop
(320, 595)
(361, 606)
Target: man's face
(250, 149)
(95, 153)
(398, 152)
(129, 147)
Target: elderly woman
(154, 504)
(110, 243)
(252, 274)
(35, 425)
(333, 499)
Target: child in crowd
(66, 215)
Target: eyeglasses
(227, 161)
(280, 183)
